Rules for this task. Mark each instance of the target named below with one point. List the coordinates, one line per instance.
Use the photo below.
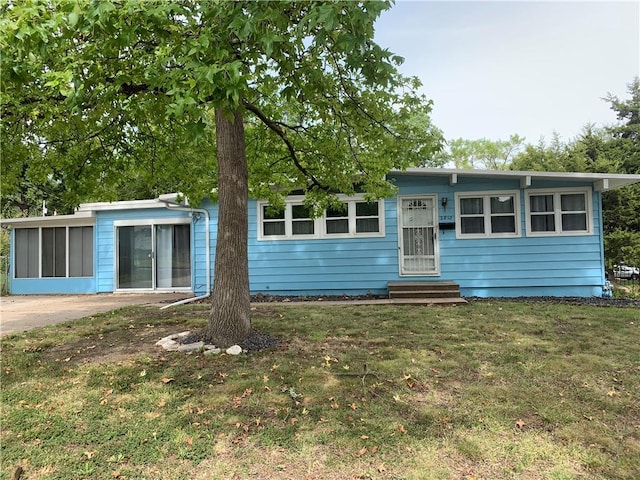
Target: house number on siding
(446, 217)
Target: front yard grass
(489, 390)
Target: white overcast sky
(529, 68)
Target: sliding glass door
(173, 256)
(153, 257)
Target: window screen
(337, 220)
(80, 251)
(472, 215)
(54, 252)
(301, 222)
(26, 252)
(273, 222)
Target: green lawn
(490, 390)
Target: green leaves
(111, 88)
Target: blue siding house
(493, 233)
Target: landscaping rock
(168, 343)
(191, 347)
(234, 350)
(189, 342)
(171, 346)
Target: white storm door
(417, 232)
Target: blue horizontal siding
(51, 286)
(551, 265)
(538, 291)
(543, 265)
(323, 265)
(105, 239)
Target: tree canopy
(115, 99)
(481, 153)
(611, 149)
(109, 98)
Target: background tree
(90, 87)
(481, 153)
(613, 149)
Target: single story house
(493, 233)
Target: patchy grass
(490, 390)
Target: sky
(494, 69)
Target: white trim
(67, 251)
(320, 225)
(85, 219)
(151, 221)
(122, 205)
(486, 196)
(557, 192)
(436, 243)
(616, 180)
(601, 185)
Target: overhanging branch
(277, 129)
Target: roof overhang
(600, 181)
(124, 205)
(84, 215)
(77, 219)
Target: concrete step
(425, 292)
(428, 301)
(406, 286)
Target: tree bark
(229, 321)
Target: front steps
(432, 293)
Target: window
(484, 214)
(293, 222)
(27, 252)
(354, 218)
(301, 221)
(54, 252)
(273, 222)
(42, 252)
(559, 212)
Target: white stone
(172, 346)
(167, 343)
(211, 351)
(234, 350)
(164, 340)
(191, 347)
(183, 334)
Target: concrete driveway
(24, 312)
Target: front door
(418, 230)
(153, 257)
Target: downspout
(177, 206)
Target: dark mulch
(595, 301)
(254, 342)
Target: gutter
(171, 205)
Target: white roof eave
(79, 218)
(601, 181)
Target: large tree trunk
(229, 321)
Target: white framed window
(293, 222)
(354, 218)
(487, 214)
(49, 252)
(564, 211)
